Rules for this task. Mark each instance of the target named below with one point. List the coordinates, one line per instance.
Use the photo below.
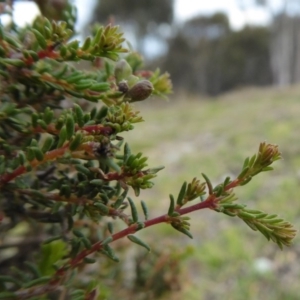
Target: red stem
(50, 155)
(7, 177)
(92, 129)
(208, 203)
(73, 263)
(232, 184)
(49, 52)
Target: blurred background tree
(205, 54)
(214, 58)
(284, 43)
(142, 19)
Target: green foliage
(211, 58)
(65, 170)
(51, 253)
(160, 11)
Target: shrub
(65, 169)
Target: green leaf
(62, 136)
(98, 182)
(65, 190)
(267, 169)
(127, 152)
(47, 144)
(145, 209)
(87, 43)
(40, 38)
(107, 241)
(244, 215)
(252, 160)
(78, 233)
(48, 115)
(181, 194)
(75, 143)
(111, 163)
(86, 242)
(172, 205)
(75, 77)
(39, 155)
(136, 240)
(182, 230)
(12, 40)
(99, 87)
(82, 169)
(110, 227)
(83, 84)
(104, 209)
(88, 260)
(79, 115)
(61, 72)
(42, 123)
(120, 199)
(244, 172)
(109, 253)
(102, 113)
(98, 36)
(12, 61)
(134, 213)
(246, 163)
(70, 126)
(38, 281)
(156, 169)
(63, 51)
(208, 183)
(22, 158)
(34, 119)
(49, 254)
(226, 181)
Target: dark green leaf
(134, 213)
(181, 194)
(136, 240)
(145, 209)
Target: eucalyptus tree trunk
(285, 47)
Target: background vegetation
(205, 54)
(228, 262)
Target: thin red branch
(7, 177)
(49, 52)
(91, 129)
(210, 202)
(50, 155)
(98, 129)
(232, 184)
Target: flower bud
(122, 70)
(123, 86)
(140, 91)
